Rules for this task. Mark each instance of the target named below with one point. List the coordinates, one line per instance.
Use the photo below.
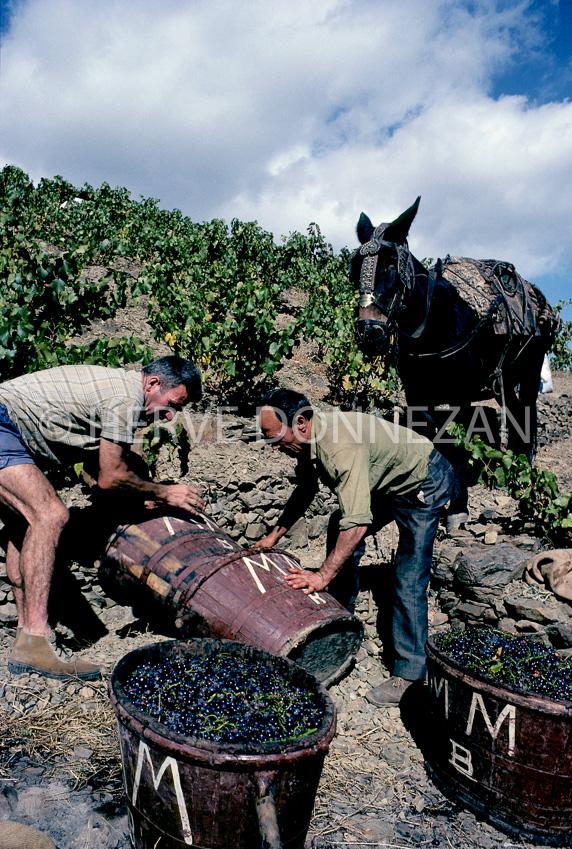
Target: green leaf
(500, 476)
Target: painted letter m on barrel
(143, 756)
(508, 714)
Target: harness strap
(448, 352)
(367, 280)
(431, 277)
(498, 379)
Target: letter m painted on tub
(168, 762)
(508, 712)
(436, 687)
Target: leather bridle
(373, 334)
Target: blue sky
(287, 113)
(540, 67)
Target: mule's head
(381, 269)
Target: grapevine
(535, 488)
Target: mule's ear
(397, 231)
(364, 229)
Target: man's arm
(311, 582)
(114, 473)
(295, 508)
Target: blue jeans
(417, 517)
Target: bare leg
(15, 578)
(27, 491)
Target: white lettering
(204, 520)
(291, 564)
(173, 765)
(265, 560)
(266, 563)
(317, 598)
(437, 687)
(391, 428)
(194, 434)
(480, 413)
(341, 417)
(461, 759)
(411, 423)
(250, 566)
(440, 438)
(168, 525)
(220, 434)
(526, 434)
(508, 711)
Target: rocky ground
(59, 758)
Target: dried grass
(342, 804)
(48, 736)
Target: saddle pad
(479, 282)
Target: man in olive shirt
(379, 471)
(55, 418)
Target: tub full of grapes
(222, 744)
(501, 730)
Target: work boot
(36, 653)
(390, 693)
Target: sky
(287, 113)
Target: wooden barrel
(210, 586)
(183, 791)
(504, 754)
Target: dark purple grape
(524, 662)
(225, 699)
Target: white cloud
(288, 113)
(495, 180)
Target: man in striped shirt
(57, 417)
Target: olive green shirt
(357, 455)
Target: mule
(462, 331)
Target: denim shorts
(13, 449)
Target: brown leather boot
(35, 653)
(389, 693)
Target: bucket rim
(273, 753)
(531, 701)
(304, 635)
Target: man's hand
(305, 580)
(314, 582)
(115, 473)
(270, 540)
(182, 495)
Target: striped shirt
(64, 411)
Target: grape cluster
(524, 662)
(225, 699)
